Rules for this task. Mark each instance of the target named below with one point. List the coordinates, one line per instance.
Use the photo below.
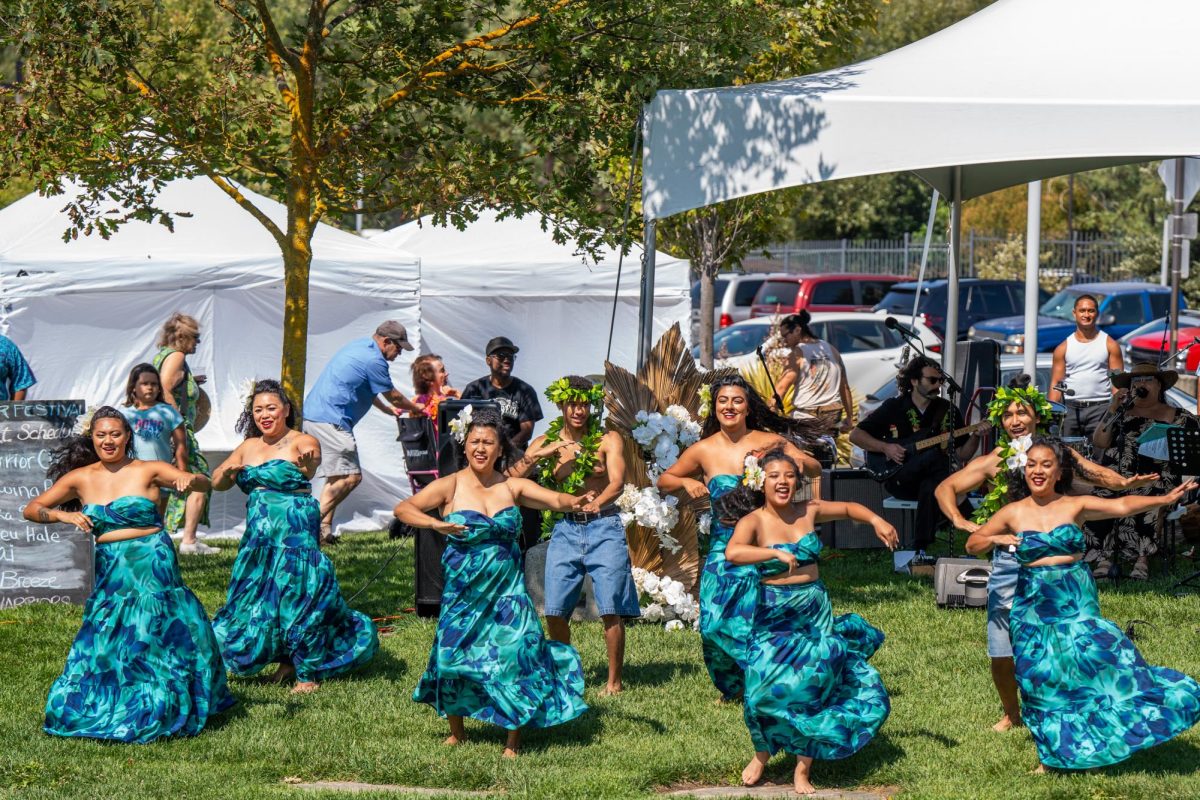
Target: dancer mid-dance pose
(809, 688)
(738, 424)
(145, 662)
(490, 659)
(284, 605)
(1089, 697)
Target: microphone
(1062, 387)
(1142, 392)
(901, 328)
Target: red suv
(829, 292)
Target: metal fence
(1076, 260)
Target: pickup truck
(1123, 307)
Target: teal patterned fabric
(186, 393)
(284, 604)
(489, 659)
(727, 596)
(809, 688)
(145, 663)
(1088, 696)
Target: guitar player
(918, 411)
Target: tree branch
(274, 41)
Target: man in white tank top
(1083, 362)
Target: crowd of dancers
(147, 662)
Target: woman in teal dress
(179, 338)
(284, 605)
(1087, 695)
(738, 424)
(145, 663)
(490, 659)
(809, 689)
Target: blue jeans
(1002, 588)
(595, 548)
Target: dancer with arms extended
(1019, 410)
(1089, 698)
(145, 663)
(284, 604)
(809, 689)
(490, 659)
(737, 425)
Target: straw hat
(1166, 377)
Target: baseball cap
(500, 343)
(393, 331)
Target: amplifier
(857, 486)
(961, 582)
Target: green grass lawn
(666, 729)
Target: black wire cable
(612, 324)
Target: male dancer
(576, 456)
(1018, 411)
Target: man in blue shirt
(350, 384)
(15, 374)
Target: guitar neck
(942, 437)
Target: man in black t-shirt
(918, 410)
(518, 401)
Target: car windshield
(901, 300)
(1062, 304)
(739, 340)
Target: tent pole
(1033, 242)
(1177, 209)
(646, 309)
(950, 348)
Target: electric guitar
(883, 468)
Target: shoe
(1140, 571)
(198, 549)
(1102, 568)
(327, 537)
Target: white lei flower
(663, 599)
(705, 393)
(460, 423)
(1019, 448)
(753, 475)
(246, 391)
(651, 510)
(662, 437)
(83, 423)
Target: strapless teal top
(721, 484)
(278, 475)
(1063, 540)
(806, 551)
(131, 511)
(481, 528)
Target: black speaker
(857, 486)
(449, 450)
(976, 364)
(427, 568)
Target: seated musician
(918, 412)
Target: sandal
(1140, 571)
(326, 536)
(1102, 569)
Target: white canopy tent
(1022, 90)
(510, 278)
(85, 312)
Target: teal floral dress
(284, 604)
(1088, 696)
(186, 393)
(809, 688)
(145, 663)
(727, 596)
(490, 659)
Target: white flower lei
(663, 599)
(460, 423)
(662, 437)
(651, 510)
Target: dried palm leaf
(626, 395)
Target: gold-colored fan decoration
(669, 377)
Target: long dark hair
(80, 451)
(801, 321)
(490, 418)
(246, 424)
(136, 373)
(804, 433)
(1018, 489)
(740, 501)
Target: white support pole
(646, 308)
(950, 349)
(1033, 243)
(1178, 206)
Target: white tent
(1021, 90)
(510, 278)
(84, 312)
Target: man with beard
(519, 407)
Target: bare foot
(511, 752)
(305, 687)
(610, 690)
(753, 772)
(1006, 722)
(453, 740)
(1041, 770)
(803, 786)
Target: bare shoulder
(1061, 350)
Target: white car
(870, 350)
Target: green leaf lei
(561, 392)
(1005, 397)
(584, 463)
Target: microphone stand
(770, 380)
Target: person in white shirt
(1083, 362)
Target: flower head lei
(1028, 396)
(753, 476)
(561, 391)
(705, 393)
(460, 423)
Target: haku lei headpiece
(1013, 454)
(561, 392)
(1028, 396)
(460, 423)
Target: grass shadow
(653, 673)
(1174, 757)
(845, 773)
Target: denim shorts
(595, 548)
(1002, 588)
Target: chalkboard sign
(38, 563)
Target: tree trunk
(707, 284)
(297, 259)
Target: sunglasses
(934, 380)
(505, 356)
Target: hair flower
(753, 475)
(460, 423)
(246, 392)
(83, 423)
(1018, 450)
(705, 392)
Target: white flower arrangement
(1019, 448)
(666, 600)
(663, 437)
(460, 423)
(705, 393)
(753, 476)
(246, 391)
(651, 510)
(704, 524)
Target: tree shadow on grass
(653, 673)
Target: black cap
(500, 343)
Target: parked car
(869, 348)
(789, 294)
(1147, 343)
(1123, 307)
(733, 294)
(979, 299)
